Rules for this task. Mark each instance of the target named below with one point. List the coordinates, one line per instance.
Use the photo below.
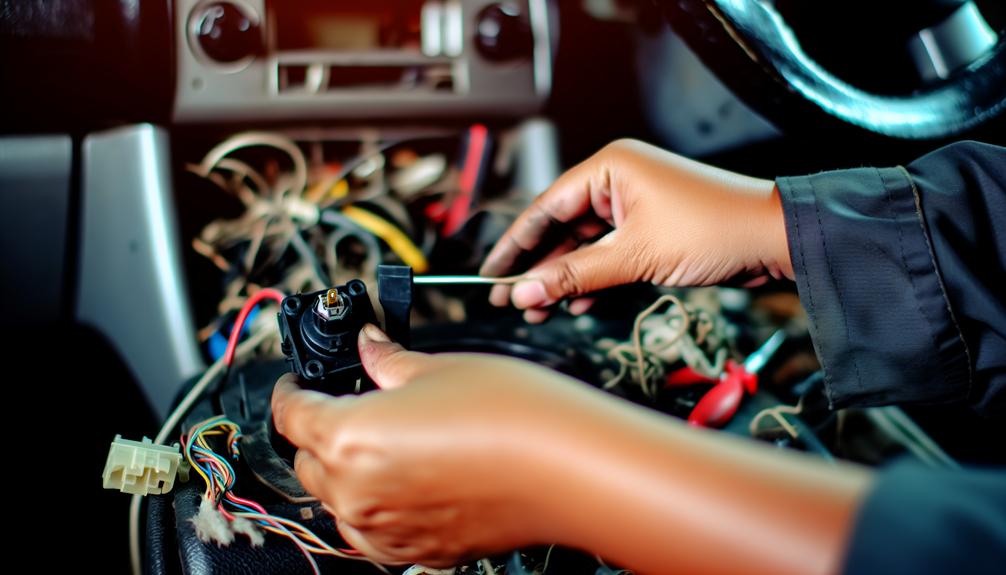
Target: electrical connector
(140, 467)
(319, 331)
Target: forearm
(671, 498)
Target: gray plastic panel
(131, 282)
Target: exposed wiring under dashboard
(174, 420)
(330, 217)
(320, 224)
(219, 523)
(660, 339)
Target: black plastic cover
(394, 289)
(322, 351)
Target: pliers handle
(720, 403)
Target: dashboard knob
(226, 33)
(502, 32)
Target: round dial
(502, 32)
(226, 33)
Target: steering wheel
(750, 46)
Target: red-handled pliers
(720, 403)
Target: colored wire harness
(217, 472)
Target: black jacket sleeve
(918, 520)
(902, 272)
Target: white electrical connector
(140, 467)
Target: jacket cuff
(879, 317)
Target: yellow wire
(199, 471)
(301, 535)
(309, 544)
(396, 239)
(339, 190)
(308, 539)
(201, 442)
(327, 190)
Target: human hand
(448, 462)
(672, 222)
(467, 455)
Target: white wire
(314, 540)
(245, 171)
(269, 139)
(296, 541)
(172, 422)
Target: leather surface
(276, 556)
(172, 543)
(161, 556)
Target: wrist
(771, 240)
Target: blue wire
(216, 457)
(190, 446)
(217, 344)
(257, 512)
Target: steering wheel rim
(753, 50)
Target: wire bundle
(220, 502)
(275, 231)
(661, 338)
(315, 225)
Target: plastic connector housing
(320, 341)
(140, 467)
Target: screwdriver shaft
(465, 280)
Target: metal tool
(720, 403)
(465, 280)
(760, 357)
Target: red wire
(247, 502)
(458, 212)
(225, 513)
(260, 509)
(232, 343)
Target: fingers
(307, 418)
(536, 316)
(311, 419)
(581, 305)
(386, 362)
(585, 229)
(317, 479)
(359, 541)
(580, 191)
(590, 268)
(499, 295)
(756, 282)
(314, 476)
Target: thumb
(587, 269)
(387, 363)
